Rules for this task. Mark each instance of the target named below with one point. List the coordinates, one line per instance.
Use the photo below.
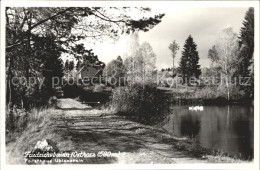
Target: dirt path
(92, 131)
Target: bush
(71, 90)
(208, 93)
(184, 92)
(143, 102)
(94, 95)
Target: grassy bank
(204, 95)
(40, 126)
(192, 146)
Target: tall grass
(207, 94)
(221, 158)
(18, 140)
(40, 125)
(18, 120)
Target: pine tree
(119, 59)
(189, 64)
(246, 42)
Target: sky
(203, 24)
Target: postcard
(130, 84)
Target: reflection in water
(190, 125)
(225, 128)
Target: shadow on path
(139, 143)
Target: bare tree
(140, 60)
(148, 58)
(227, 49)
(174, 47)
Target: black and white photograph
(162, 84)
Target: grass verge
(39, 127)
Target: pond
(229, 129)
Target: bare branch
(37, 24)
(106, 18)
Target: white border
(187, 4)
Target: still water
(225, 128)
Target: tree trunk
(10, 105)
(172, 66)
(227, 84)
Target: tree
(246, 43)
(129, 66)
(119, 59)
(71, 65)
(47, 65)
(189, 64)
(132, 49)
(174, 47)
(28, 28)
(52, 66)
(227, 50)
(133, 44)
(140, 64)
(79, 65)
(246, 46)
(109, 22)
(147, 58)
(66, 66)
(116, 70)
(214, 66)
(213, 55)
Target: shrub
(72, 90)
(143, 102)
(95, 96)
(183, 92)
(208, 93)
